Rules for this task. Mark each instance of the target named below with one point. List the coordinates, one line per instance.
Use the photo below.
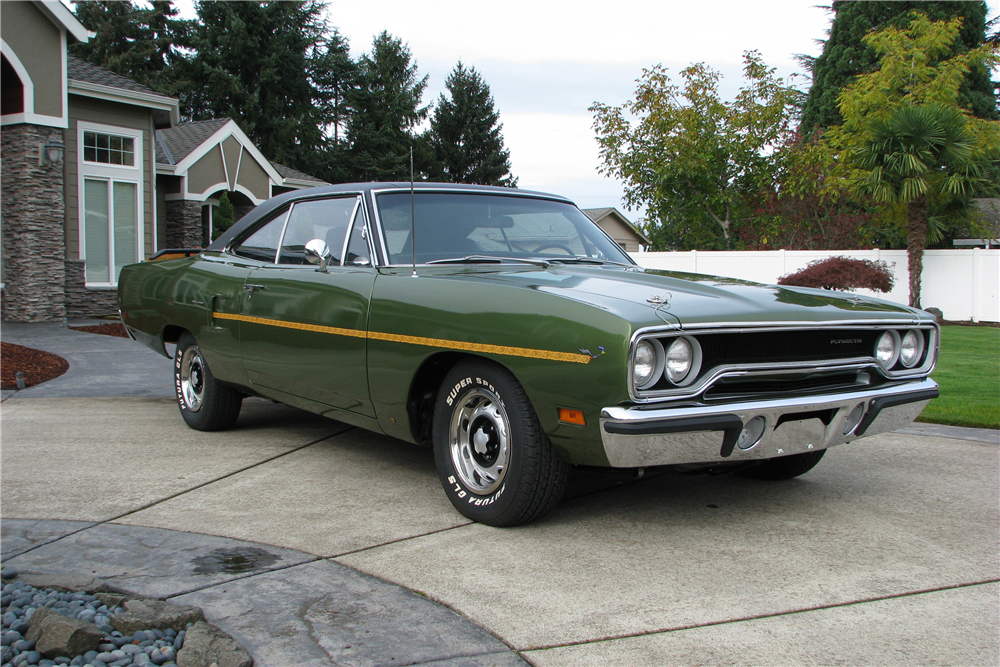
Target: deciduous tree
(692, 159)
(905, 139)
(846, 54)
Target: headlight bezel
(895, 339)
(919, 348)
(695, 367)
(658, 360)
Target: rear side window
(324, 219)
(262, 245)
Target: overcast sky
(547, 61)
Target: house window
(111, 196)
(111, 213)
(108, 149)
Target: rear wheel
(496, 465)
(784, 467)
(205, 403)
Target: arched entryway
(220, 211)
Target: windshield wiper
(487, 259)
(585, 260)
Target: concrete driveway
(885, 554)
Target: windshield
(490, 227)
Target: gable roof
(173, 144)
(80, 70)
(598, 214)
(290, 174)
(89, 80)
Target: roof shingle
(80, 70)
(175, 143)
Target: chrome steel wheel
(192, 373)
(480, 441)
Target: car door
(303, 327)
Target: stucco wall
(37, 43)
(207, 173)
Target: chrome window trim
(730, 370)
(228, 249)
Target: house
(618, 227)
(98, 172)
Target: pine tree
(135, 42)
(257, 63)
(386, 108)
(845, 55)
(465, 134)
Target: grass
(968, 371)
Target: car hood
(646, 297)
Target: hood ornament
(659, 299)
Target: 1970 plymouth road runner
(508, 331)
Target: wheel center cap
(480, 440)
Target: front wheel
(496, 465)
(205, 403)
(784, 467)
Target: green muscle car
(508, 331)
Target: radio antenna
(413, 218)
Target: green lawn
(968, 371)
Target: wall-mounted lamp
(51, 152)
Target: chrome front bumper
(640, 437)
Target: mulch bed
(110, 329)
(36, 365)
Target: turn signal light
(571, 417)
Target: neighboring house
(97, 172)
(988, 226)
(619, 228)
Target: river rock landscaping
(46, 623)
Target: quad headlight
(911, 348)
(678, 360)
(647, 364)
(887, 349)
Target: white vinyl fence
(964, 284)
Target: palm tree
(920, 157)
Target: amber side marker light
(571, 417)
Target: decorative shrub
(842, 273)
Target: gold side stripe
(337, 331)
(414, 340)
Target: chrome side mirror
(317, 252)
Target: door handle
(254, 288)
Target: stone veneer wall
(183, 224)
(83, 302)
(240, 211)
(34, 238)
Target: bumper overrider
(637, 437)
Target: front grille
(786, 346)
(803, 361)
